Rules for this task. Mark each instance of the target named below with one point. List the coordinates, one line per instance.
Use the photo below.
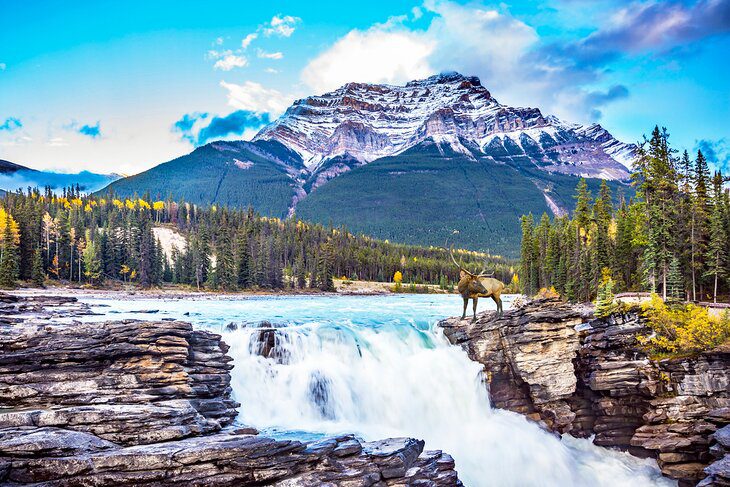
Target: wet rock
(554, 363)
(136, 403)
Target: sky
(119, 87)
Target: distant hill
(260, 174)
(409, 163)
(15, 176)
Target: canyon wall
(556, 364)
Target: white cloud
(219, 41)
(500, 49)
(57, 142)
(382, 54)
(227, 61)
(255, 97)
(272, 70)
(269, 55)
(248, 40)
(282, 26)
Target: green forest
(95, 240)
(671, 237)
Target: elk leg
(498, 302)
(475, 310)
(466, 302)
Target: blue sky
(122, 86)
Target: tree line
(88, 239)
(670, 237)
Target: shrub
(683, 328)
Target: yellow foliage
(398, 277)
(13, 226)
(158, 205)
(118, 203)
(77, 202)
(612, 229)
(87, 208)
(548, 293)
(130, 204)
(682, 329)
(143, 204)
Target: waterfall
(397, 379)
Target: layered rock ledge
(149, 404)
(554, 363)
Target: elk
(473, 286)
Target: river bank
(121, 291)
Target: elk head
(469, 283)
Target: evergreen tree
(92, 261)
(604, 300)
(528, 259)
(243, 255)
(325, 267)
(675, 281)
(716, 255)
(9, 262)
(38, 275)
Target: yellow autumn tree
(13, 226)
(398, 280)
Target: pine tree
(300, 271)
(38, 275)
(92, 262)
(225, 263)
(604, 300)
(243, 256)
(716, 255)
(603, 215)
(325, 267)
(9, 265)
(675, 281)
(528, 259)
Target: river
(377, 366)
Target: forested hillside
(90, 239)
(236, 174)
(671, 238)
(425, 193)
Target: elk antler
(457, 264)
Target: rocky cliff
(149, 403)
(554, 363)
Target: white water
(377, 367)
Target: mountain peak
(366, 121)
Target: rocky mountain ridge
(556, 364)
(366, 122)
(406, 163)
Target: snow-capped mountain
(362, 122)
(407, 163)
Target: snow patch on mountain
(370, 121)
